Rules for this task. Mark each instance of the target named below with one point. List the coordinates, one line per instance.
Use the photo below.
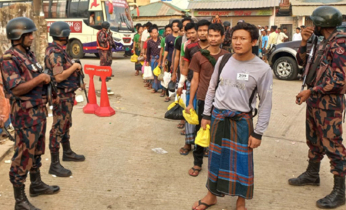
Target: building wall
(143, 2)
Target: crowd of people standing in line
(190, 52)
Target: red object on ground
(91, 107)
(105, 110)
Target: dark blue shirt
(169, 46)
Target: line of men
(223, 90)
(25, 84)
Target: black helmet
(105, 25)
(226, 23)
(59, 29)
(326, 16)
(18, 26)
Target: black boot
(38, 187)
(336, 197)
(56, 168)
(310, 177)
(22, 202)
(70, 155)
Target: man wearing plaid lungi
(229, 110)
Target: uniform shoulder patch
(340, 50)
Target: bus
(79, 13)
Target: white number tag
(242, 76)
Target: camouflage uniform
(326, 103)
(105, 39)
(57, 60)
(28, 114)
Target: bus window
(98, 18)
(59, 8)
(79, 9)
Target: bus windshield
(118, 15)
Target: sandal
(183, 133)
(194, 170)
(184, 151)
(154, 91)
(204, 204)
(206, 152)
(147, 85)
(162, 94)
(181, 125)
(137, 73)
(167, 99)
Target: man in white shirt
(273, 37)
(297, 35)
(281, 36)
(145, 33)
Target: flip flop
(194, 169)
(206, 152)
(167, 99)
(204, 204)
(183, 133)
(185, 151)
(181, 126)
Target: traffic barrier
(105, 110)
(92, 106)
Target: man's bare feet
(241, 204)
(206, 202)
(194, 171)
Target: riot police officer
(24, 84)
(66, 74)
(325, 103)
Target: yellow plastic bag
(134, 58)
(203, 137)
(180, 101)
(157, 71)
(142, 63)
(191, 118)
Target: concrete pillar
(272, 18)
(41, 35)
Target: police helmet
(226, 23)
(59, 29)
(105, 25)
(18, 26)
(326, 17)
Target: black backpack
(223, 62)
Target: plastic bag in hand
(157, 71)
(134, 58)
(203, 137)
(191, 118)
(171, 86)
(175, 113)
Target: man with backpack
(202, 64)
(228, 109)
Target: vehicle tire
(97, 55)
(76, 49)
(285, 68)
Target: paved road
(122, 172)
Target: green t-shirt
(163, 41)
(136, 39)
(182, 51)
